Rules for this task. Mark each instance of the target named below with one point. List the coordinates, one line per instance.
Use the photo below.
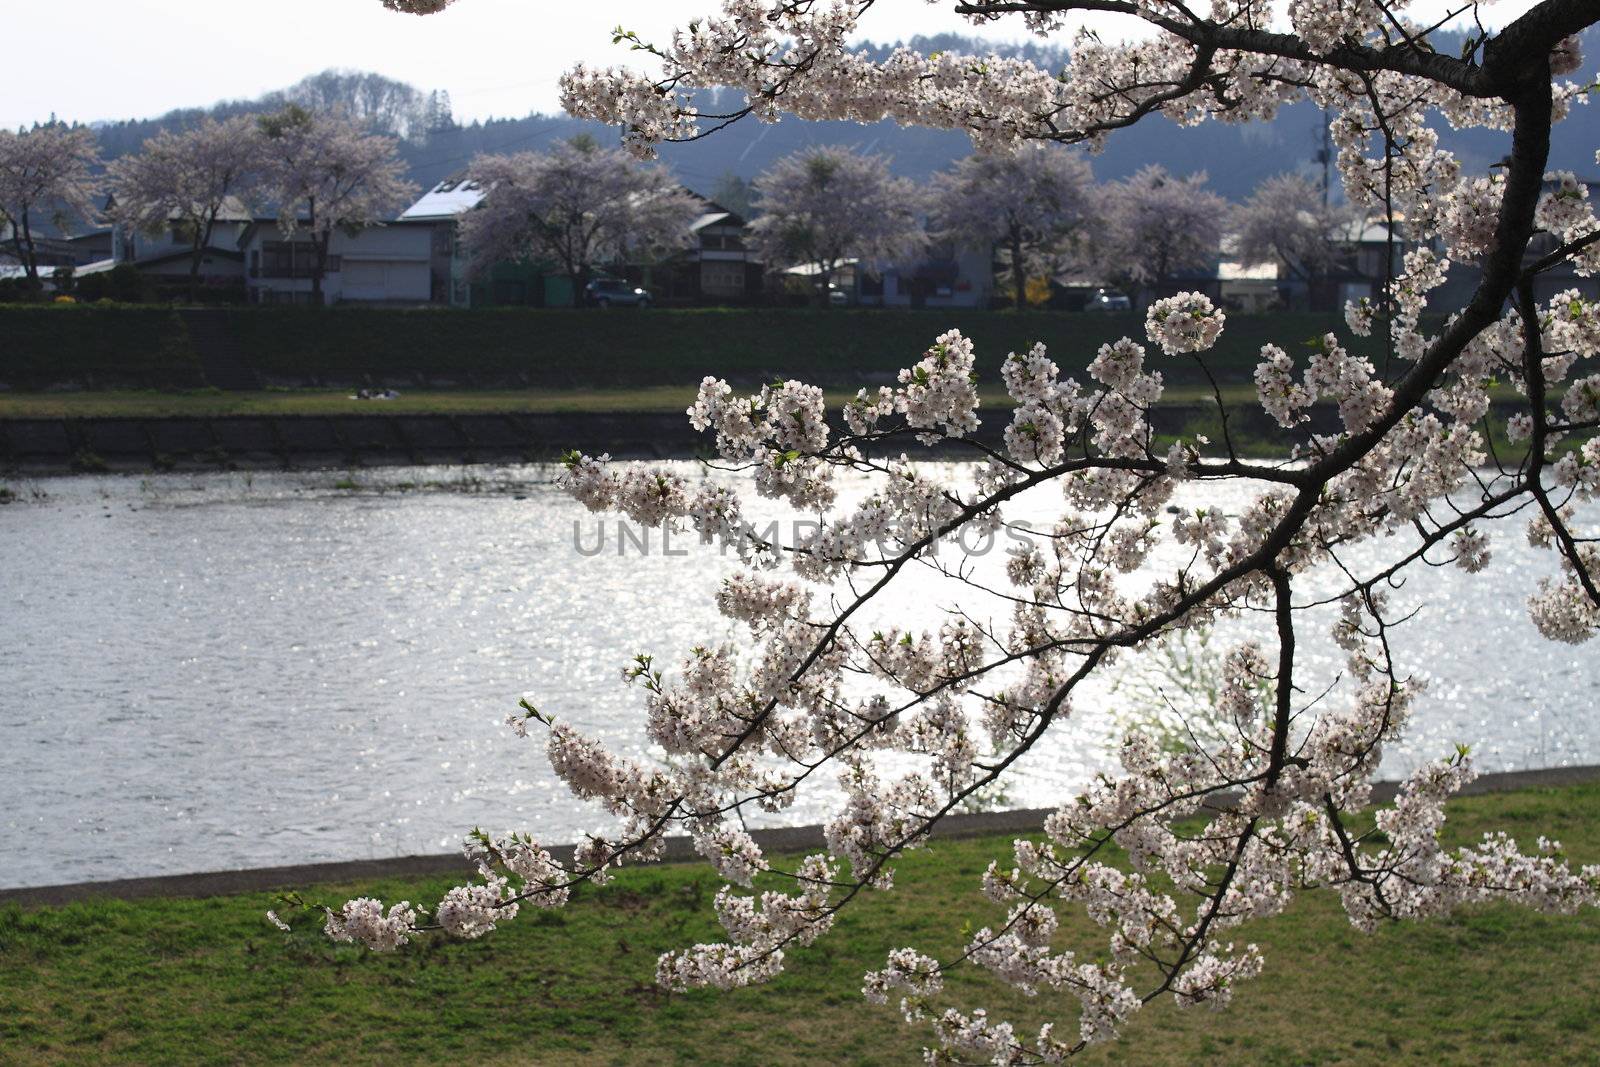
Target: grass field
(151, 403)
(209, 981)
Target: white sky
(87, 60)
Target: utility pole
(1324, 156)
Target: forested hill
(1236, 157)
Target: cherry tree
(189, 179)
(1158, 226)
(1028, 204)
(579, 205)
(824, 206)
(46, 173)
(913, 720)
(1287, 221)
(329, 175)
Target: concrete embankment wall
(792, 840)
(251, 442)
(312, 441)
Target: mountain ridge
(1235, 157)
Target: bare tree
(823, 206)
(188, 180)
(1028, 205)
(1158, 226)
(578, 205)
(340, 177)
(46, 173)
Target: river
(211, 671)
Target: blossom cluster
(1174, 854)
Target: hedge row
(589, 349)
(63, 345)
(623, 348)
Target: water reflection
(215, 671)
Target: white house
(716, 267)
(384, 264)
(440, 210)
(946, 277)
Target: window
(289, 259)
(722, 279)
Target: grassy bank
(211, 403)
(170, 981)
(565, 349)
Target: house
(510, 284)
(944, 277)
(1252, 287)
(716, 268)
(440, 211)
(166, 257)
(384, 264)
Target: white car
(1108, 300)
(614, 292)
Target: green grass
(150, 403)
(209, 981)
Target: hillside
(1235, 157)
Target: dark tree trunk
(320, 267)
(1019, 282)
(30, 255)
(194, 273)
(202, 241)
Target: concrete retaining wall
(789, 840)
(311, 441)
(39, 446)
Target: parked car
(1108, 300)
(614, 292)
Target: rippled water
(213, 671)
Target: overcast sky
(87, 60)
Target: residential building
(717, 268)
(167, 257)
(383, 264)
(944, 277)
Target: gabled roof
(450, 198)
(233, 210)
(713, 213)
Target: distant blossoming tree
(1288, 222)
(188, 179)
(1031, 205)
(329, 175)
(824, 206)
(1157, 227)
(1176, 855)
(46, 174)
(578, 205)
